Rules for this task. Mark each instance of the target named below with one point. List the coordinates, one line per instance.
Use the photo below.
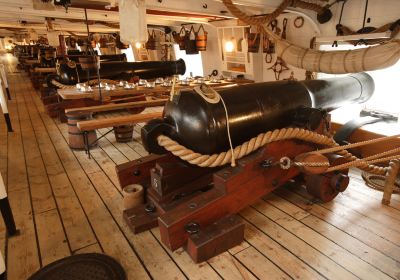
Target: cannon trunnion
(196, 207)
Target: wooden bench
(117, 106)
(89, 126)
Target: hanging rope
(333, 62)
(256, 20)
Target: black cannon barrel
(103, 58)
(252, 109)
(122, 70)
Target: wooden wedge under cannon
(195, 206)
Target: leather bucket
(190, 44)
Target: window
(386, 97)
(193, 62)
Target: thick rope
(252, 20)
(257, 142)
(256, 20)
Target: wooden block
(216, 238)
(138, 171)
(109, 122)
(139, 220)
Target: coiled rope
(259, 141)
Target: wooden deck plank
(260, 265)
(156, 260)
(26, 256)
(52, 240)
(107, 232)
(228, 267)
(41, 192)
(364, 221)
(124, 148)
(94, 248)
(346, 224)
(152, 255)
(346, 241)
(297, 246)
(375, 194)
(279, 255)
(77, 227)
(330, 249)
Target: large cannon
(71, 73)
(195, 206)
(252, 109)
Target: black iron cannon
(253, 108)
(70, 73)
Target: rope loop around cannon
(255, 143)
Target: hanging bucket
(179, 38)
(201, 39)
(190, 44)
(151, 42)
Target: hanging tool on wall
(279, 67)
(285, 21)
(339, 32)
(298, 22)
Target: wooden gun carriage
(196, 207)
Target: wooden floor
(66, 204)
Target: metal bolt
(150, 208)
(192, 205)
(266, 163)
(155, 183)
(136, 172)
(192, 228)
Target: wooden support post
(5, 81)
(6, 210)
(391, 176)
(3, 103)
(2, 268)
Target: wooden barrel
(201, 42)
(75, 136)
(201, 39)
(123, 133)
